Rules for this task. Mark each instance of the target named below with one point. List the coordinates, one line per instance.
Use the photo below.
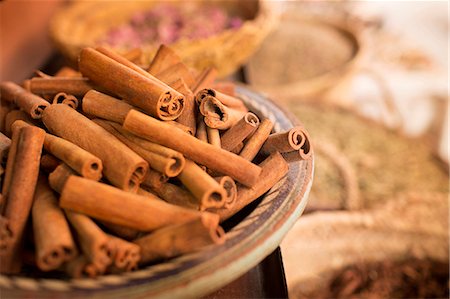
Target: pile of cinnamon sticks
(114, 166)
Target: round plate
(252, 235)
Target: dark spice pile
(412, 278)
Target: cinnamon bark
(67, 72)
(151, 95)
(58, 177)
(230, 188)
(176, 195)
(110, 204)
(76, 86)
(205, 79)
(285, 142)
(189, 115)
(203, 153)
(162, 159)
(256, 141)
(53, 239)
(121, 166)
(225, 87)
(5, 144)
(164, 58)
(126, 254)
(92, 240)
(74, 156)
(67, 99)
(304, 153)
(274, 168)
(154, 179)
(207, 191)
(29, 102)
(201, 133)
(179, 239)
(104, 106)
(241, 130)
(217, 115)
(14, 115)
(213, 137)
(49, 163)
(20, 190)
(174, 72)
(227, 100)
(180, 126)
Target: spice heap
(118, 166)
(166, 23)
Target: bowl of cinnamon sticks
(118, 181)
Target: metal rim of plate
(197, 274)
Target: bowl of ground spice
(220, 34)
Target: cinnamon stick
(19, 190)
(67, 99)
(207, 191)
(201, 133)
(285, 142)
(53, 239)
(5, 144)
(110, 204)
(93, 241)
(189, 115)
(151, 95)
(121, 166)
(58, 177)
(225, 87)
(213, 136)
(29, 102)
(76, 86)
(49, 163)
(133, 55)
(154, 179)
(176, 195)
(162, 159)
(219, 116)
(179, 239)
(241, 130)
(256, 141)
(200, 152)
(67, 72)
(74, 156)
(5, 108)
(227, 100)
(230, 188)
(104, 106)
(274, 168)
(14, 115)
(205, 79)
(126, 254)
(174, 72)
(164, 58)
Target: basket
(82, 23)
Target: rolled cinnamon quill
(53, 239)
(14, 115)
(107, 203)
(179, 239)
(229, 185)
(217, 115)
(256, 141)
(104, 106)
(29, 102)
(285, 142)
(201, 133)
(126, 254)
(83, 162)
(49, 163)
(227, 100)
(162, 159)
(189, 115)
(93, 241)
(20, 190)
(5, 144)
(200, 152)
(151, 95)
(241, 130)
(121, 166)
(205, 79)
(164, 58)
(205, 189)
(76, 86)
(176, 195)
(213, 136)
(154, 179)
(58, 177)
(274, 168)
(174, 72)
(64, 98)
(5, 234)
